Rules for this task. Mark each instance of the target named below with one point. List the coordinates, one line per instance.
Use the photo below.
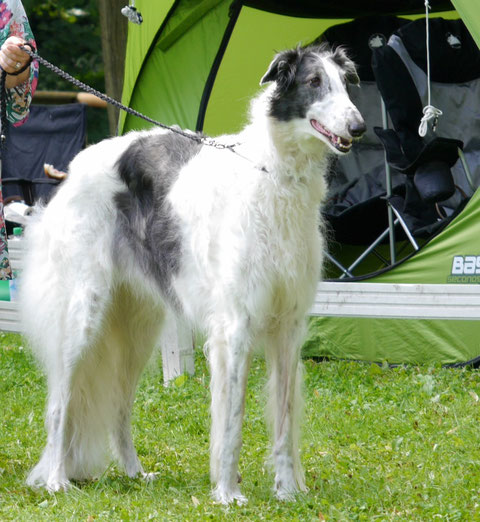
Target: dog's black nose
(357, 128)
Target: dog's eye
(315, 82)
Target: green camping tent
(214, 52)
(196, 63)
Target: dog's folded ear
(340, 57)
(282, 70)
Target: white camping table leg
(177, 348)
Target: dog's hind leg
(229, 357)
(50, 470)
(134, 329)
(282, 353)
(69, 340)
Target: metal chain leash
(191, 136)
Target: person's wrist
(21, 68)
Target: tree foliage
(67, 33)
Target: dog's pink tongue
(317, 126)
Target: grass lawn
(378, 444)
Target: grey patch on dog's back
(146, 224)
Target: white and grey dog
(153, 220)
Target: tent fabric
(345, 9)
(470, 14)
(139, 41)
(242, 67)
(175, 66)
(434, 263)
(394, 341)
(156, 76)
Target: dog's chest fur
(202, 222)
(248, 233)
(293, 246)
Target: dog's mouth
(341, 144)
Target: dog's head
(311, 89)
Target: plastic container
(17, 234)
(12, 283)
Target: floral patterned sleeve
(14, 22)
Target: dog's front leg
(285, 407)
(229, 364)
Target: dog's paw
(55, 484)
(285, 495)
(149, 477)
(287, 489)
(225, 496)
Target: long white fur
(252, 256)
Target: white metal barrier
(399, 301)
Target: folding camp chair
(53, 134)
(443, 168)
(356, 211)
(417, 174)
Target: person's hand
(12, 58)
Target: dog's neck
(275, 148)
